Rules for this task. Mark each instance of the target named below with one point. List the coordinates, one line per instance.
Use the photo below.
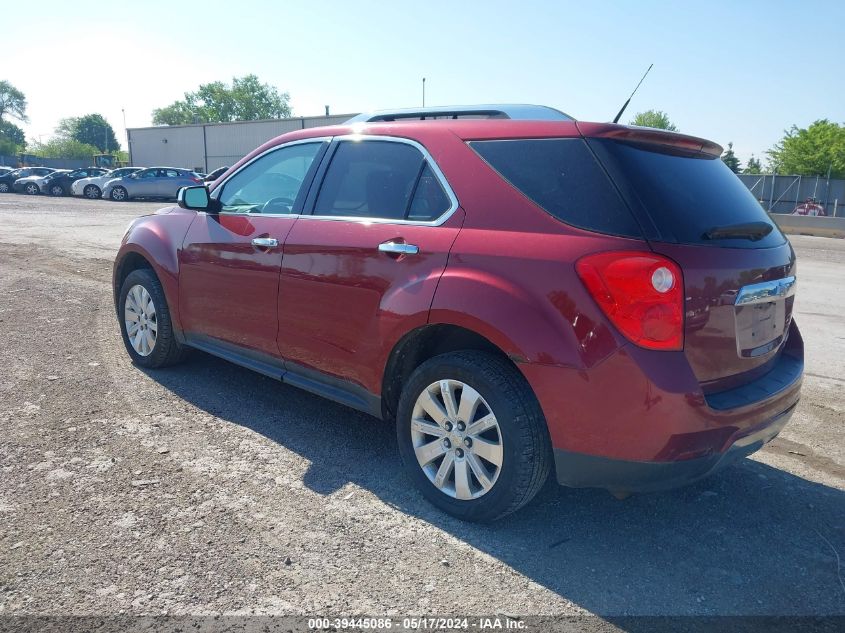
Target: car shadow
(747, 541)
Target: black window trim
(308, 212)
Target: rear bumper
(639, 420)
(578, 470)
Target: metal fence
(781, 194)
(35, 161)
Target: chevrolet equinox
(522, 293)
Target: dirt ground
(206, 488)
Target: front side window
(272, 183)
(147, 173)
(381, 179)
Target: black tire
(57, 191)
(119, 194)
(526, 447)
(92, 192)
(166, 351)
(4, 187)
(32, 189)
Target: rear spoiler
(649, 136)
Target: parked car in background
(92, 187)
(58, 184)
(153, 182)
(7, 180)
(31, 185)
(5, 170)
(215, 174)
(521, 298)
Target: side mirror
(196, 198)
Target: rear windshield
(563, 177)
(685, 195)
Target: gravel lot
(208, 489)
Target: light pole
(423, 92)
(126, 133)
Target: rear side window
(381, 179)
(563, 177)
(685, 195)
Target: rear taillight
(197, 180)
(641, 293)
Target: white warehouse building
(207, 146)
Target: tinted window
(563, 177)
(147, 173)
(429, 201)
(270, 184)
(374, 179)
(685, 194)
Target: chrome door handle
(265, 242)
(398, 248)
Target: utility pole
(423, 92)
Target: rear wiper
(749, 231)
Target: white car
(93, 187)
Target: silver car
(93, 187)
(153, 182)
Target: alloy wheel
(118, 193)
(457, 440)
(139, 316)
(4, 188)
(56, 190)
(92, 192)
(32, 189)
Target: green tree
(247, 99)
(12, 137)
(753, 166)
(811, 151)
(12, 102)
(730, 159)
(91, 129)
(58, 147)
(654, 118)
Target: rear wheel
(4, 188)
(92, 191)
(472, 435)
(57, 190)
(32, 189)
(119, 194)
(145, 321)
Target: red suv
(518, 295)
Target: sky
(728, 71)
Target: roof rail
(524, 112)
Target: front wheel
(119, 194)
(57, 190)
(92, 191)
(4, 188)
(472, 435)
(31, 189)
(145, 321)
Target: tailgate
(738, 307)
